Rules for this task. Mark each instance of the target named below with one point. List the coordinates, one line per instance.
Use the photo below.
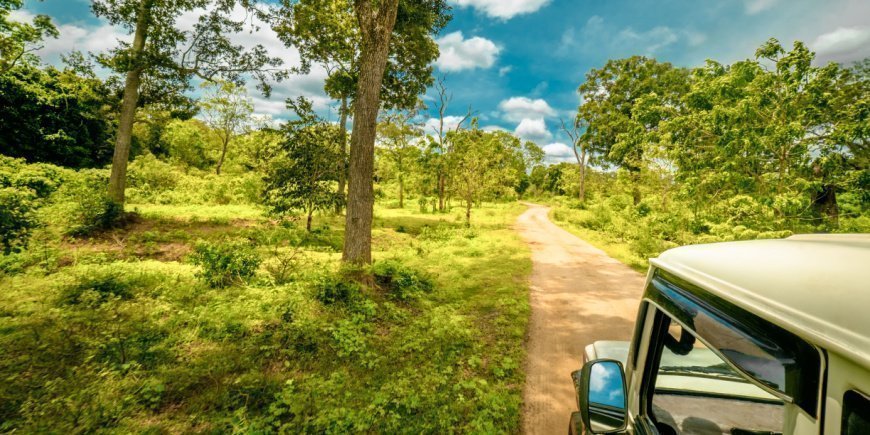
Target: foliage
(227, 263)
(16, 218)
(56, 116)
(301, 177)
(399, 281)
(81, 205)
(484, 165)
(18, 40)
(227, 110)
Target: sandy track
(578, 295)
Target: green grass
(117, 333)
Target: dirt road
(578, 295)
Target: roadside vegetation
(669, 156)
(172, 262)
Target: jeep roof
(816, 286)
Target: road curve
(578, 295)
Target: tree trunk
(308, 222)
(342, 164)
(468, 204)
(223, 155)
(124, 136)
(582, 183)
(441, 183)
(376, 28)
(401, 192)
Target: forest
(174, 262)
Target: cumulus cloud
(843, 44)
(652, 40)
(533, 129)
(503, 9)
(516, 109)
(557, 152)
(458, 53)
(503, 71)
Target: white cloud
(516, 109)
(458, 54)
(843, 44)
(503, 71)
(450, 123)
(558, 152)
(599, 378)
(533, 129)
(503, 9)
(753, 7)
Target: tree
(612, 95)
(19, 40)
(56, 116)
(164, 53)
(227, 110)
(328, 33)
(582, 156)
(484, 164)
(397, 133)
(441, 146)
(420, 19)
(302, 176)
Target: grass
(118, 333)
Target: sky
(517, 63)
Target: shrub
(331, 289)
(16, 218)
(224, 264)
(399, 281)
(82, 206)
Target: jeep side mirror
(600, 387)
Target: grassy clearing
(119, 333)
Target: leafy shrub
(333, 289)
(16, 218)
(399, 281)
(82, 206)
(225, 264)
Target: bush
(82, 206)
(225, 264)
(399, 281)
(16, 218)
(331, 289)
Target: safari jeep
(758, 337)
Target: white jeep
(758, 337)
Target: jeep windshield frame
(777, 360)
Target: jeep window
(696, 391)
(784, 364)
(856, 414)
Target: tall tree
(328, 33)
(163, 51)
(614, 127)
(441, 145)
(19, 40)
(581, 150)
(227, 110)
(484, 164)
(397, 133)
(302, 176)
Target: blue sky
(518, 63)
